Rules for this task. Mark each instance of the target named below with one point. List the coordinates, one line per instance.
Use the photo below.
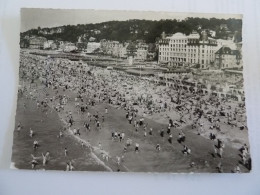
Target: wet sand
(46, 129)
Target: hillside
(139, 29)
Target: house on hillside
(92, 46)
(37, 42)
(47, 44)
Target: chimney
(163, 35)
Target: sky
(36, 17)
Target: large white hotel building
(182, 50)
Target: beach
(76, 112)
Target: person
(244, 152)
(99, 146)
(237, 169)
(151, 131)
(78, 132)
(128, 142)
(244, 149)
(220, 150)
(60, 134)
(82, 144)
(19, 127)
(180, 138)
(158, 148)
(106, 111)
(123, 136)
(200, 129)
(130, 118)
(220, 167)
(65, 151)
(118, 160)
(31, 132)
(186, 150)
(170, 139)
(35, 144)
(86, 125)
(71, 167)
(215, 150)
(98, 124)
(206, 163)
(244, 160)
(34, 163)
(115, 135)
(136, 147)
(107, 157)
(192, 164)
(45, 158)
(212, 136)
(125, 149)
(67, 166)
(162, 133)
(169, 129)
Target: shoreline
(87, 144)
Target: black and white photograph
(131, 91)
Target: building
(92, 39)
(182, 50)
(97, 32)
(82, 46)
(68, 47)
(223, 42)
(37, 42)
(47, 44)
(110, 47)
(123, 50)
(142, 52)
(50, 31)
(226, 57)
(54, 45)
(212, 33)
(223, 26)
(24, 43)
(92, 47)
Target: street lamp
(140, 70)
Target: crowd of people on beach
(209, 116)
